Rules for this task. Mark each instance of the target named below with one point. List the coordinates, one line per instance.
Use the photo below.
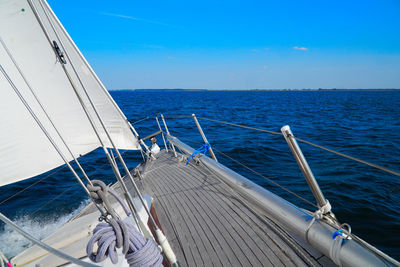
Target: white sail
(29, 60)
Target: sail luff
(79, 96)
(32, 66)
(100, 83)
(51, 122)
(88, 82)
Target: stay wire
(177, 117)
(85, 108)
(138, 121)
(35, 183)
(266, 178)
(43, 109)
(47, 176)
(53, 199)
(379, 254)
(350, 157)
(310, 143)
(69, 188)
(258, 174)
(241, 126)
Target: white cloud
(154, 46)
(300, 48)
(133, 18)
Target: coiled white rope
(115, 233)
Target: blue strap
(203, 149)
(338, 232)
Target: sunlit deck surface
(209, 224)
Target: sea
(363, 124)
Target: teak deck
(208, 224)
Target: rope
(334, 252)
(319, 214)
(115, 233)
(339, 238)
(3, 260)
(383, 257)
(98, 192)
(203, 149)
(309, 143)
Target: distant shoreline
(241, 90)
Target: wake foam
(12, 243)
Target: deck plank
(179, 220)
(214, 235)
(228, 225)
(208, 224)
(248, 237)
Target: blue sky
(238, 44)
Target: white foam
(12, 243)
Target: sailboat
(178, 207)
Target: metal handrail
(319, 234)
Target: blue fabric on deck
(203, 149)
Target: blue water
(364, 124)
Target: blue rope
(338, 232)
(203, 149)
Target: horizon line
(256, 89)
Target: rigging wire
(43, 109)
(24, 189)
(241, 126)
(69, 188)
(266, 178)
(383, 257)
(52, 200)
(257, 173)
(38, 122)
(309, 143)
(138, 121)
(177, 117)
(50, 174)
(81, 101)
(350, 157)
